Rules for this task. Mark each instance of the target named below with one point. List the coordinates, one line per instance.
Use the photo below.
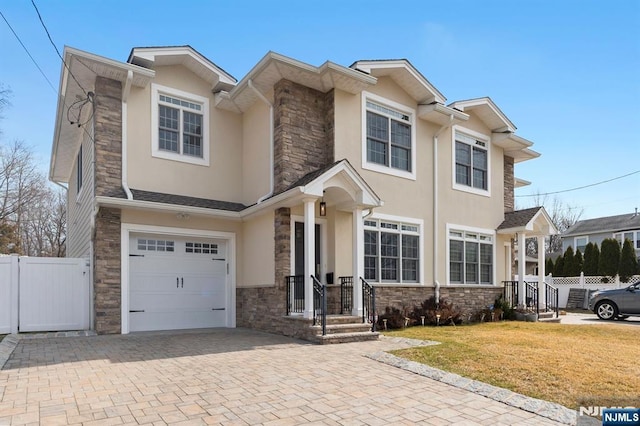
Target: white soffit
(406, 76)
(487, 111)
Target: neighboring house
(199, 198)
(621, 227)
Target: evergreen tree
(568, 269)
(559, 267)
(578, 264)
(591, 254)
(549, 266)
(609, 257)
(628, 262)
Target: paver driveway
(227, 377)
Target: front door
(299, 250)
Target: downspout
(125, 95)
(271, 131)
(435, 207)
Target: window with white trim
(471, 162)
(470, 257)
(180, 125)
(632, 235)
(391, 251)
(389, 137)
(580, 243)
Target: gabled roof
(150, 57)
(533, 222)
(623, 222)
(274, 67)
(405, 75)
(488, 112)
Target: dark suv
(619, 303)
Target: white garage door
(177, 283)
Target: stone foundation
(468, 299)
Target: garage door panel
(178, 289)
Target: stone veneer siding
(303, 132)
(108, 182)
(469, 300)
(509, 197)
(107, 283)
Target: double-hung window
(389, 137)
(180, 126)
(471, 162)
(470, 257)
(391, 251)
(633, 236)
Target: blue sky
(565, 72)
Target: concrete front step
(364, 336)
(551, 320)
(343, 328)
(546, 315)
(343, 319)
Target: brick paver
(230, 377)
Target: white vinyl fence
(44, 294)
(564, 284)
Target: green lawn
(554, 362)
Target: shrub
(578, 263)
(507, 310)
(628, 262)
(395, 317)
(549, 266)
(609, 257)
(430, 309)
(591, 255)
(559, 267)
(569, 265)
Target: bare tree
(563, 217)
(44, 225)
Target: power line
(580, 187)
(56, 48)
(28, 53)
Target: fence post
(617, 281)
(14, 291)
(582, 279)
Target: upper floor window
(471, 162)
(389, 131)
(180, 124)
(392, 251)
(633, 236)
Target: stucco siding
(258, 247)
(255, 153)
(221, 179)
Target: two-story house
(203, 201)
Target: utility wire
(56, 48)
(580, 187)
(28, 53)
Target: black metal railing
(551, 299)
(346, 294)
(319, 304)
(531, 295)
(510, 294)
(369, 304)
(295, 294)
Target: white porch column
(522, 264)
(309, 254)
(542, 289)
(358, 260)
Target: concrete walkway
(235, 377)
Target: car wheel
(606, 310)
